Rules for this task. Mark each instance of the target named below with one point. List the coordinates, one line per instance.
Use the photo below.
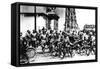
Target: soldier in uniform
(43, 40)
(33, 39)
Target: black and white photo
(56, 34)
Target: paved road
(47, 58)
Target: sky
(85, 16)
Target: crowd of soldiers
(60, 43)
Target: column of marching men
(60, 44)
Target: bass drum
(31, 52)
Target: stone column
(55, 24)
(48, 22)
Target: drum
(31, 53)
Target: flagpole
(35, 17)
